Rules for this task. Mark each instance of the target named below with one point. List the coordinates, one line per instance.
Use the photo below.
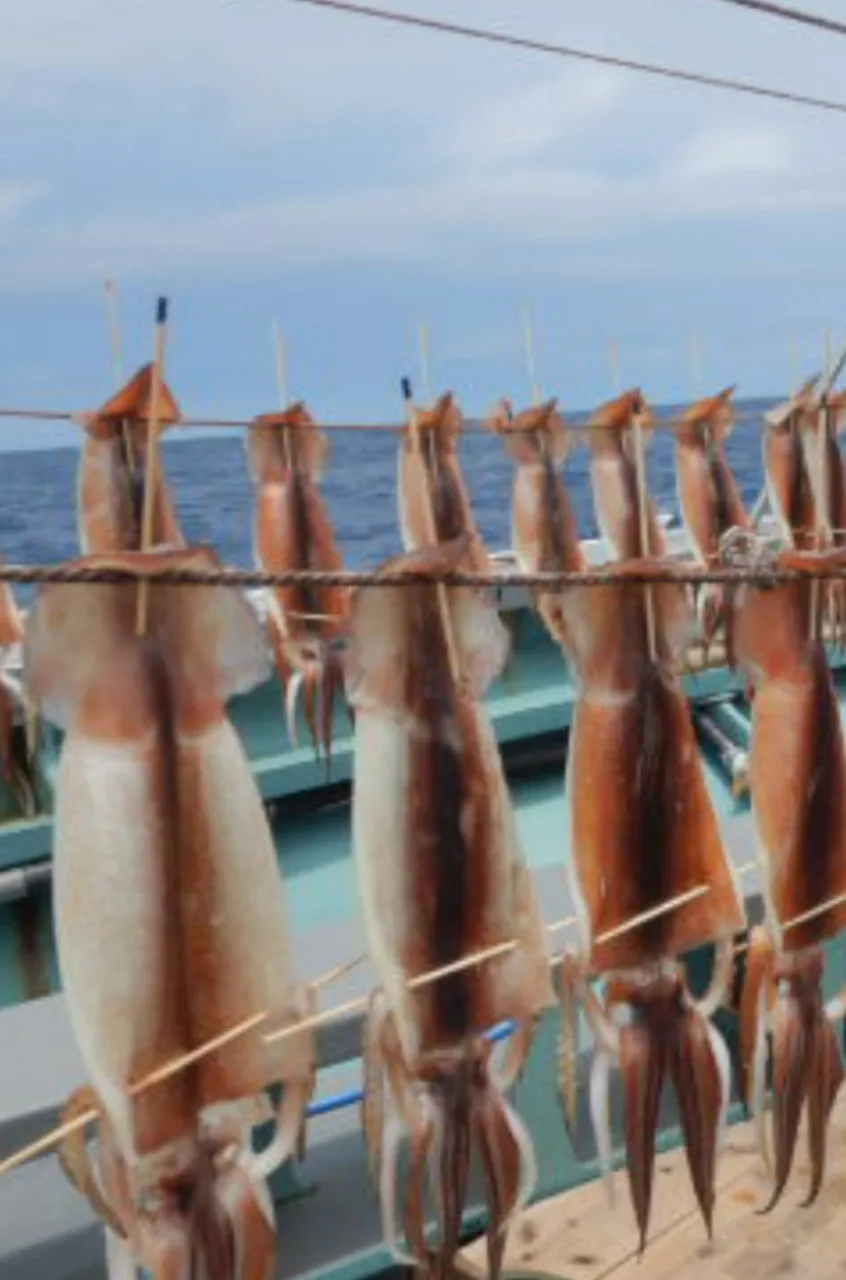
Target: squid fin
(389, 647)
(211, 639)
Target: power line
(772, 10)
(568, 51)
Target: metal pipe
(728, 717)
(20, 882)
(734, 761)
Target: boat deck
(578, 1236)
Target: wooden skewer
(423, 347)
(529, 348)
(113, 316)
(643, 519)
(356, 1005)
(453, 657)
(49, 1140)
(152, 460)
(811, 914)
(281, 370)
(696, 364)
(614, 363)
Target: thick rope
(764, 574)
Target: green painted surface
(533, 697)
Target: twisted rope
(762, 572)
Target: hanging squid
(642, 833)
(17, 750)
(113, 467)
(788, 484)
(543, 526)
(544, 536)
(441, 877)
(430, 483)
(798, 779)
(293, 531)
(614, 479)
(709, 499)
(170, 915)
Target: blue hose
(352, 1097)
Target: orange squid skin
(111, 478)
(293, 531)
(441, 877)
(543, 523)
(641, 826)
(431, 485)
(709, 498)
(798, 785)
(194, 937)
(16, 766)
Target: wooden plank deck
(578, 1236)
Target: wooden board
(578, 1236)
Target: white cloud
(535, 120)
(738, 149)
(262, 135)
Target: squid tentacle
(792, 1050)
(700, 1091)
(414, 1215)
(600, 1077)
(373, 1100)
(824, 1080)
(643, 1061)
(568, 1039)
(81, 1170)
(708, 1004)
(289, 1132)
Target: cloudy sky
(257, 158)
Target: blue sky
(257, 159)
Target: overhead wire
(771, 10)
(512, 40)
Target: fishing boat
(327, 1211)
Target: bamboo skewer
(614, 364)
(643, 519)
(348, 1007)
(57, 1135)
(423, 351)
(113, 320)
(281, 366)
(453, 658)
(529, 349)
(113, 317)
(152, 460)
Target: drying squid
(798, 781)
(545, 538)
(170, 915)
(614, 480)
(433, 497)
(709, 499)
(113, 467)
(441, 877)
(788, 483)
(16, 751)
(543, 526)
(642, 833)
(293, 531)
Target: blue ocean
(214, 497)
